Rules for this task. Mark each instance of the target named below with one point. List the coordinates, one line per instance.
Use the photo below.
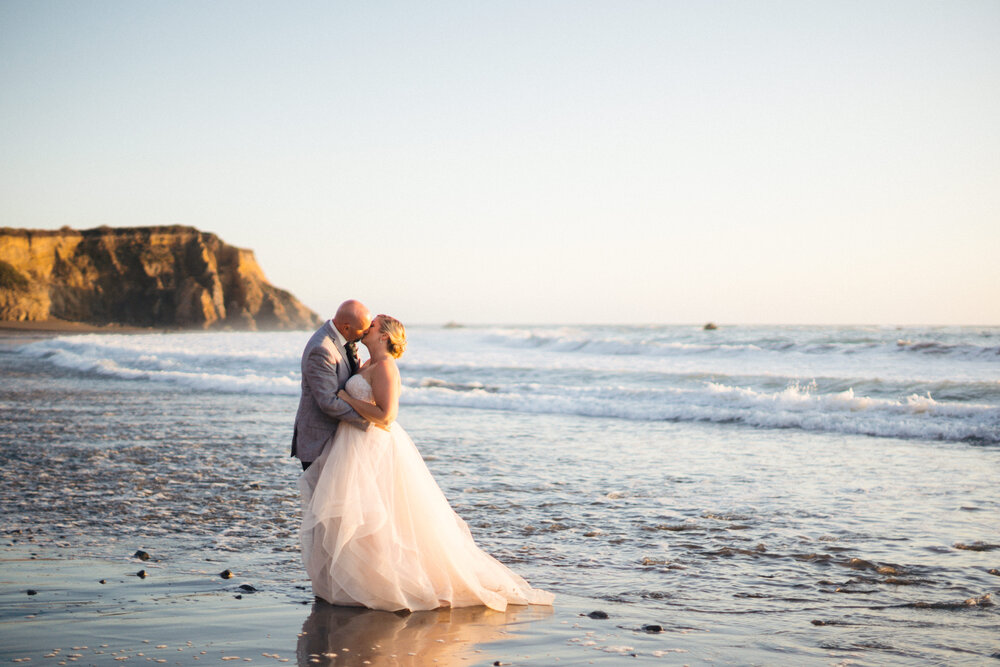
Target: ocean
(763, 494)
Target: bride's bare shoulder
(385, 368)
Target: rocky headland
(163, 277)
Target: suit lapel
(332, 333)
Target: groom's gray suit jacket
(325, 371)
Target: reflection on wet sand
(351, 635)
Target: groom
(330, 358)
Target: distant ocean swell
(951, 394)
(794, 407)
(654, 345)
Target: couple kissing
(377, 531)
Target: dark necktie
(352, 356)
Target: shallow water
(745, 545)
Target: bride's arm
(385, 390)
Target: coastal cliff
(170, 277)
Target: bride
(377, 531)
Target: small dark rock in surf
(598, 614)
(976, 546)
(238, 597)
(248, 588)
(31, 591)
(141, 555)
(652, 628)
(226, 574)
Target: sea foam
(833, 380)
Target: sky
(547, 162)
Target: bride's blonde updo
(394, 329)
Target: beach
(711, 504)
(180, 617)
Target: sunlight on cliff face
(140, 276)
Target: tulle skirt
(378, 532)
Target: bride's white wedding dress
(378, 532)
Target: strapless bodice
(358, 387)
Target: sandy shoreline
(21, 333)
(56, 608)
(62, 326)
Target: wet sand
(169, 616)
(59, 609)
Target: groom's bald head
(352, 319)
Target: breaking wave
(816, 379)
(798, 407)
